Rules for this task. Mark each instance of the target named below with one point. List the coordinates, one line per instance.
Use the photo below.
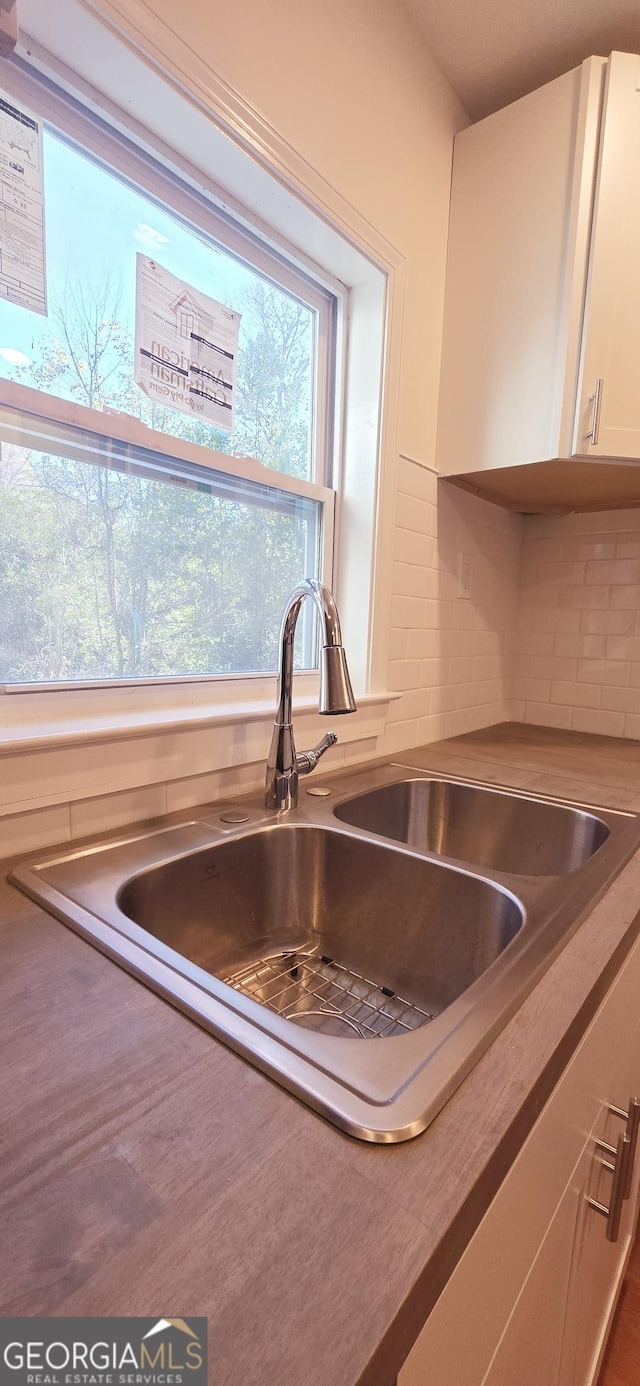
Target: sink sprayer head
(336, 693)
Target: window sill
(91, 728)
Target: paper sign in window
(186, 346)
(22, 243)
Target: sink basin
(489, 828)
(365, 976)
(337, 934)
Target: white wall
(354, 93)
(354, 90)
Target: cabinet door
(521, 200)
(611, 337)
(530, 1350)
(598, 1265)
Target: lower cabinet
(531, 1300)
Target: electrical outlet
(464, 577)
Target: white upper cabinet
(541, 344)
(610, 374)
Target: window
(138, 541)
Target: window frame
(20, 405)
(116, 152)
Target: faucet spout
(336, 694)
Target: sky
(94, 225)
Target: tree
(106, 573)
(89, 359)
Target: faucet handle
(306, 761)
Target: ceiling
(494, 51)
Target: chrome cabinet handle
(632, 1118)
(614, 1212)
(596, 400)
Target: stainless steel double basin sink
(363, 950)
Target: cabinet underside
(557, 487)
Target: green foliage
(105, 574)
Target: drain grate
(306, 984)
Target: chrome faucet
(284, 765)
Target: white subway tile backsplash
(614, 521)
(621, 571)
(433, 672)
(528, 642)
(355, 751)
(452, 644)
(411, 581)
(29, 832)
(398, 643)
(552, 667)
(561, 573)
(487, 666)
(411, 547)
(623, 647)
(548, 714)
(408, 612)
(463, 647)
(444, 698)
(422, 644)
(604, 671)
(531, 690)
(584, 597)
(479, 693)
(579, 546)
(626, 598)
(419, 482)
(532, 595)
(610, 622)
(204, 789)
(551, 620)
(435, 615)
(459, 670)
(620, 700)
(575, 694)
(414, 703)
(414, 514)
(594, 622)
(404, 674)
(602, 723)
(580, 646)
(111, 811)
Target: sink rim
(458, 1037)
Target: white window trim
(94, 140)
(132, 62)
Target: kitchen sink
(485, 827)
(340, 947)
(340, 935)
